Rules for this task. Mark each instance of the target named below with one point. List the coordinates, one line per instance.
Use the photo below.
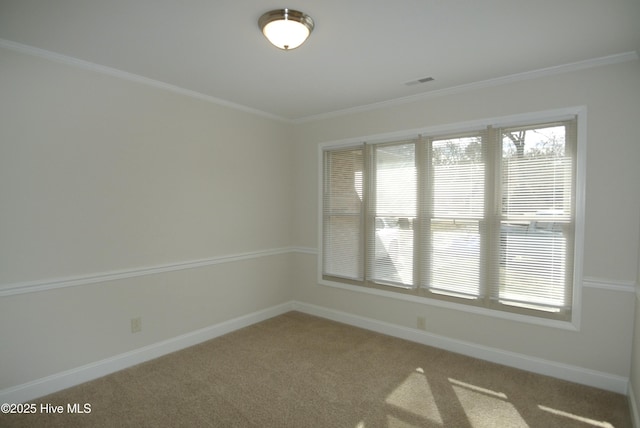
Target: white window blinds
(485, 218)
(454, 207)
(394, 200)
(343, 254)
(536, 218)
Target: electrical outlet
(136, 325)
(422, 323)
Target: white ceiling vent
(419, 81)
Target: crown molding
(512, 78)
(527, 75)
(114, 72)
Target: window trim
(578, 112)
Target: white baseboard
(50, 384)
(633, 405)
(567, 372)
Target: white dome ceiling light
(286, 28)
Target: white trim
(564, 325)
(51, 284)
(580, 210)
(609, 285)
(56, 382)
(600, 284)
(86, 65)
(502, 121)
(466, 126)
(588, 281)
(305, 250)
(633, 406)
(607, 381)
(518, 77)
(527, 75)
(50, 384)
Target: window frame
(462, 128)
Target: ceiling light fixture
(286, 28)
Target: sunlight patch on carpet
(592, 422)
(414, 395)
(486, 408)
(478, 389)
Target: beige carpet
(296, 370)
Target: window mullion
(490, 230)
(368, 211)
(423, 265)
(421, 227)
(571, 142)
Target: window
(484, 218)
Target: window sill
(564, 325)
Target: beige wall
(612, 97)
(100, 174)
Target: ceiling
(361, 52)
